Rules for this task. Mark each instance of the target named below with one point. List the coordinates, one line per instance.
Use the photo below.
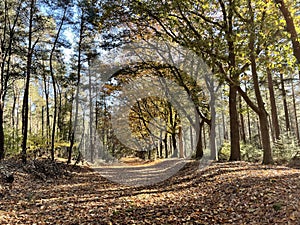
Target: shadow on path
(142, 175)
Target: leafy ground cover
(222, 193)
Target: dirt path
(222, 193)
(141, 175)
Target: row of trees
(48, 51)
(240, 40)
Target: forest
(149, 112)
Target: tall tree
(262, 113)
(30, 49)
(54, 46)
(79, 66)
(274, 113)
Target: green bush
(224, 152)
(12, 142)
(285, 148)
(248, 152)
(251, 153)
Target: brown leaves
(229, 193)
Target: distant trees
(9, 22)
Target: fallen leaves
(228, 193)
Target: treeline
(49, 92)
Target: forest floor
(221, 193)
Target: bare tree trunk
(46, 87)
(181, 150)
(91, 114)
(173, 134)
(249, 123)
(166, 145)
(285, 106)
(273, 105)
(224, 125)
(160, 145)
(54, 84)
(199, 147)
(204, 136)
(13, 118)
(235, 153)
(2, 152)
(72, 138)
(295, 113)
(191, 139)
(25, 108)
(242, 122)
(262, 113)
(212, 125)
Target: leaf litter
(44, 192)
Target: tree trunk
(212, 125)
(46, 87)
(72, 139)
(166, 145)
(180, 137)
(54, 84)
(13, 118)
(2, 152)
(160, 145)
(235, 153)
(199, 147)
(295, 113)
(249, 123)
(285, 106)
(174, 144)
(224, 125)
(273, 105)
(173, 134)
(262, 113)
(242, 122)
(25, 108)
(191, 139)
(91, 114)
(265, 138)
(204, 137)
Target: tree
(55, 42)
(30, 50)
(262, 113)
(290, 27)
(79, 65)
(87, 13)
